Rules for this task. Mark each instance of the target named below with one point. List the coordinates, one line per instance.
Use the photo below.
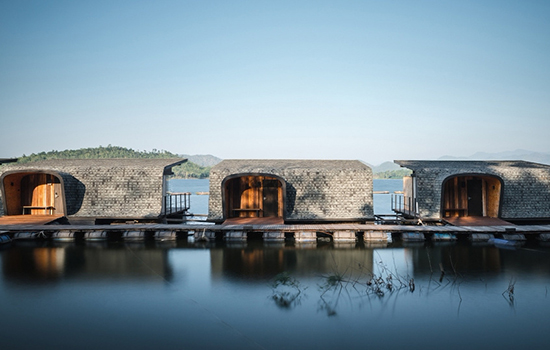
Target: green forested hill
(392, 174)
(186, 170)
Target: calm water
(190, 295)
(205, 296)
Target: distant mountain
(205, 160)
(386, 166)
(519, 154)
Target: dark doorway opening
(475, 197)
(31, 193)
(471, 195)
(253, 196)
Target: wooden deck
(476, 221)
(254, 221)
(525, 229)
(16, 220)
(240, 228)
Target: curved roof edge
(427, 164)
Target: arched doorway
(253, 196)
(33, 193)
(471, 195)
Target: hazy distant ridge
(519, 154)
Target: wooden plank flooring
(28, 219)
(526, 229)
(477, 221)
(19, 223)
(254, 221)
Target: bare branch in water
(509, 292)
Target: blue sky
(369, 80)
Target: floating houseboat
(91, 191)
(512, 191)
(291, 191)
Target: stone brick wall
(525, 192)
(315, 189)
(117, 188)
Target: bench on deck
(454, 212)
(247, 211)
(48, 210)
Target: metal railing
(404, 205)
(176, 203)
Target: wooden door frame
(225, 209)
(480, 175)
(6, 177)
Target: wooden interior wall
(493, 189)
(408, 186)
(12, 191)
(244, 196)
(37, 191)
(33, 190)
(281, 200)
(455, 197)
(251, 195)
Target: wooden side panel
(455, 198)
(38, 194)
(493, 189)
(408, 191)
(12, 190)
(58, 202)
(281, 201)
(270, 203)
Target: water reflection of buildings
(85, 263)
(263, 263)
(452, 257)
(468, 260)
(260, 263)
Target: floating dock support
(274, 236)
(514, 237)
(4, 238)
(443, 237)
(165, 235)
(413, 237)
(28, 235)
(133, 235)
(372, 236)
(305, 236)
(235, 236)
(64, 235)
(481, 237)
(96, 235)
(344, 236)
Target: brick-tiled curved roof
(251, 165)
